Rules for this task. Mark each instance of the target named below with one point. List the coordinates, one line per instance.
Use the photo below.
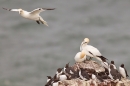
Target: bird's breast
(29, 16)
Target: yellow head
(82, 54)
(86, 40)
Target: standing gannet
(84, 43)
(33, 15)
(91, 51)
(123, 71)
(80, 56)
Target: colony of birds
(87, 70)
(84, 69)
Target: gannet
(84, 43)
(91, 51)
(123, 71)
(33, 15)
(80, 56)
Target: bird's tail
(43, 22)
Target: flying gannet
(33, 15)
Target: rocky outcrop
(92, 65)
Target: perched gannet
(91, 51)
(80, 56)
(113, 63)
(33, 15)
(84, 43)
(123, 71)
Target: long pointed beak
(48, 8)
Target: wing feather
(39, 10)
(11, 9)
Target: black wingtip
(102, 58)
(6, 9)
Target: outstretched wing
(39, 10)
(11, 9)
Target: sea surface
(29, 52)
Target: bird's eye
(39, 9)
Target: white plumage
(80, 56)
(33, 15)
(123, 71)
(62, 77)
(90, 50)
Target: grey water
(29, 52)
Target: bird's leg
(38, 22)
(90, 58)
